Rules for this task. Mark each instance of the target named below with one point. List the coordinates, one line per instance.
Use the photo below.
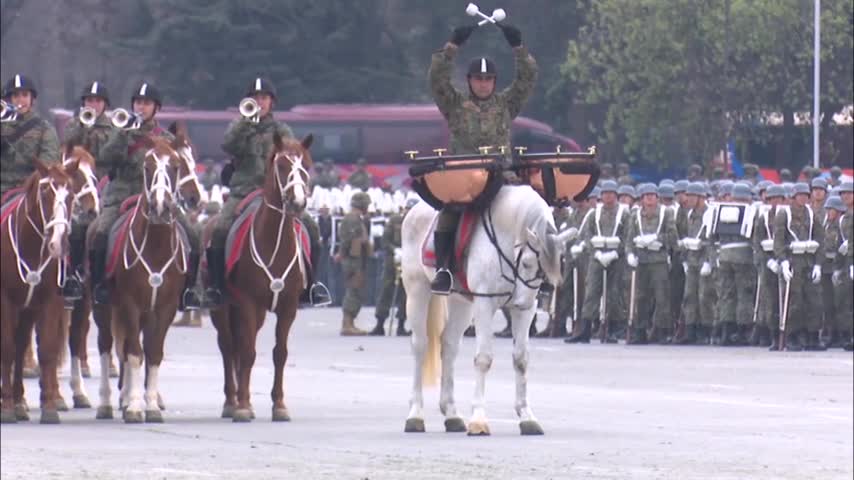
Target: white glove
(398, 255)
(632, 260)
(837, 277)
(598, 257)
(786, 269)
(685, 267)
(773, 266)
(706, 269)
(851, 272)
(816, 274)
(843, 248)
(606, 258)
(680, 244)
(576, 250)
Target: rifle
(392, 310)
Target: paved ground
(610, 412)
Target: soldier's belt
(767, 245)
(830, 255)
(727, 246)
(599, 242)
(801, 247)
(693, 244)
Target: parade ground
(609, 412)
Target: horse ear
(307, 141)
(72, 166)
(40, 167)
(533, 239)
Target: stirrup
(101, 294)
(190, 300)
(443, 282)
(72, 289)
(213, 297)
(319, 295)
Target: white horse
(514, 248)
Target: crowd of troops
(720, 262)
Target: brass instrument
(250, 109)
(8, 112)
(123, 119)
(87, 116)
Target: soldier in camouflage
(25, 139)
(799, 248)
(354, 250)
(695, 173)
(476, 118)
(250, 144)
(92, 138)
(844, 280)
(124, 157)
(834, 209)
(326, 176)
(767, 267)
(818, 195)
(697, 297)
(361, 178)
(576, 261)
(391, 243)
(650, 237)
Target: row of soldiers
(698, 263)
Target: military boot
(638, 337)
(739, 337)
(795, 341)
(715, 336)
(216, 277)
(97, 267)
(660, 335)
(443, 244)
(702, 334)
(582, 336)
(72, 289)
(401, 330)
(378, 330)
(849, 346)
(813, 343)
(190, 298)
(348, 327)
(689, 336)
(775, 344)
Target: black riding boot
(190, 298)
(73, 289)
(379, 329)
(97, 267)
(443, 282)
(216, 276)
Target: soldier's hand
(512, 34)
(337, 258)
(461, 34)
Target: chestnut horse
(146, 287)
(34, 238)
(266, 277)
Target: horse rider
(92, 137)
(476, 118)
(123, 157)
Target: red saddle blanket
(10, 203)
(468, 221)
(240, 231)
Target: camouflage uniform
(354, 250)
(327, 178)
(844, 261)
(768, 287)
(91, 138)
(652, 283)
(391, 241)
(698, 298)
(677, 273)
(566, 300)
(16, 159)
(474, 122)
(361, 178)
(805, 296)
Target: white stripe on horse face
(58, 221)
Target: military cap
(261, 85)
(835, 202)
(608, 186)
(482, 66)
(763, 185)
(741, 191)
(646, 188)
(801, 187)
(835, 171)
(595, 193)
(95, 89)
(146, 90)
(819, 183)
(725, 188)
(846, 187)
(360, 200)
(666, 191)
(18, 83)
(680, 186)
(695, 168)
(775, 191)
(785, 175)
(696, 188)
(626, 190)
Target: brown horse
(146, 287)
(34, 238)
(266, 277)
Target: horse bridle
(186, 154)
(294, 179)
(91, 187)
(29, 276)
(160, 179)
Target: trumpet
(249, 109)
(121, 118)
(8, 112)
(87, 116)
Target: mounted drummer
(477, 118)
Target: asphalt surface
(609, 412)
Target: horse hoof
(153, 416)
(22, 412)
(530, 427)
(242, 415)
(455, 425)
(281, 415)
(85, 371)
(414, 425)
(105, 412)
(61, 405)
(227, 411)
(31, 372)
(49, 417)
(478, 429)
(160, 404)
(8, 416)
(132, 417)
(81, 401)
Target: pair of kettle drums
(472, 180)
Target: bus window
(386, 142)
(335, 141)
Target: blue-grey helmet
(819, 183)
(627, 190)
(647, 188)
(608, 186)
(834, 202)
(775, 191)
(696, 188)
(740, 191)
(800, 188)
(681, 186)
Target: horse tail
(437, 311)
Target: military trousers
(677, 288)
(804, 301)
(595, 290)
(843, 320)
(769, 300)
(652, 296)
(828, 294)
(737, 293)
(353, 270)
(698, 298)
(571, 295)
(390, 282)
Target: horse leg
(128, 328)
(459, 318)
(284, 319)
(484, 310)
(417, 302)
(102, 316)
(154, 335)
(49, 328)
(247, 332)
(8, 321)
(80, 331)
(222, 323)
(23, 341)
(521, 321)
(120, 335)
(77, 345)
